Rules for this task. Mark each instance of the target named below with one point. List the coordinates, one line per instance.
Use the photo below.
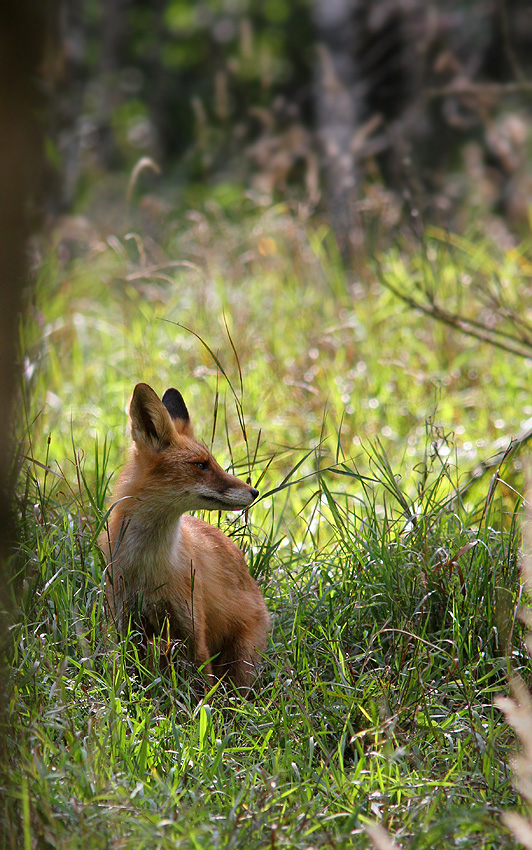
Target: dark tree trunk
(113, 39)
(66, 81)
(338, 111)
(22, 60)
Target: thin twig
(496, 460)
(466, 87)
(148, 271)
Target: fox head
(172, 470)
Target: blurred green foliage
(228, 90)
(229, 56)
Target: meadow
(390, 570)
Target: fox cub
(173, 575)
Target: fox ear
(151, 425)
(176, 407)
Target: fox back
(173, 575)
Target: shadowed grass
(375, 699)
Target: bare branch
(471, 327)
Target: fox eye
(202, 464)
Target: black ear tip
(175, 405)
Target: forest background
(314, 219)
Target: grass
(393, 599)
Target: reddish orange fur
(170, 573)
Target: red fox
(175, 575)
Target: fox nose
(254, 493)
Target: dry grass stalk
(380, 838)
(518, 708)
